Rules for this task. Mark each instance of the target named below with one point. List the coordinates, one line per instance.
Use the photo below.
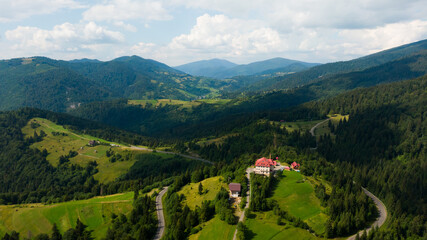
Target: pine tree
(200, 189)
(56, 235)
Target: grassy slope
(183, 104)
(211, 186)
(264, 226)
(61, 145)
(38, 218)
(215, 229)
(324, 129)
(298, 199)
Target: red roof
(295, 165)
(264, 162)
(235, 187)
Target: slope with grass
(33, 219)
(59, 141)
(211, 187)
(295, 194)
(214, 229)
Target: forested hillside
(174, 121)
(384, 147)
(60, 86)
(317, 73)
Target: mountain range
(219, 68)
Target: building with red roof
(295, 166)
(264, 166)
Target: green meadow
(69, 141)
(214, 229)
(181, 103)
(295, 194)
(324, 128)
(33, 219)
(211, 187)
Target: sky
(181, 31)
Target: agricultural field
(214, 229)
(295, 194)
(183, 104)
(33, 219)
(211, 187)
(60, 141)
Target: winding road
(382, 214)
(382, 210)
(160, 216)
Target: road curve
(315, 126)
(167, 152)
(248, 198)
(382, 214)
(160, 216)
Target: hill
(259, 67)
(326, 70)
(206, 68)
(211, 119)
(60, 85)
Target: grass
(299, 125)
(38, 218)
(183, 104)
(324, 128)
(63, 144)
(215, 229)
(211, 187)
(263, 225)
(297, 197)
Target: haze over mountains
(64, 85)
(219, 68)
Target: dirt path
(382, 214)
(160, 216)
(167, 152)
(248, 198)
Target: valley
(131, 148)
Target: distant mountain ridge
(207, 68)
(219, 68)
(316, 73)
(62, 85)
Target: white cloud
(13, 10)
(66, 37)
(121, 10)
(230, 36)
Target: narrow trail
(248, 198)
(167, 152)
(160, 216)
(381, 218)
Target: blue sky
(181, 31)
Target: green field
(215, 229)
(211, 187)
(263, 225)
(33, 219)
(62, 145)
(296, 195)
(183, 104)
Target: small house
(295, 166)
(287, 168)
(235, 189)
(92, 143)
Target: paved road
(174, 153)
(382, 214)
(248, 198)
(315, 126)
(161, 218)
